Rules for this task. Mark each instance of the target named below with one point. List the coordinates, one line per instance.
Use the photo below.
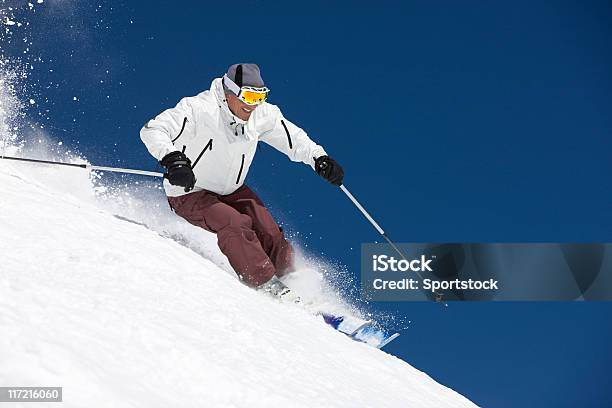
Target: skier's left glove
(329, 169)
(179, 170)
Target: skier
(207, 143)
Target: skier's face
(239, 108)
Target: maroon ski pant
(246, 232)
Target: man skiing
(207, 143)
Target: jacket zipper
(208, 146)
(288, 135)
(241, 167)
(181, 132)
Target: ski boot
(277, 289)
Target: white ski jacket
(220, 145)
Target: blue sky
(455, 122)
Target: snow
(121, 314)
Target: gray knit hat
(245, 75)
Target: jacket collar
(217, 89)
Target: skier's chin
(245, 113)
(242, 113)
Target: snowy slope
(121, 316)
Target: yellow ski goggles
(248, 94)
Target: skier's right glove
(179, 170)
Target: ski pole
(439, 296)
(87, 166)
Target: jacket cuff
(316, 153)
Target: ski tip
(365, 324)
(388, 340)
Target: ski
(360, 330)
(389, 340)
(375, 336)
(345, 324)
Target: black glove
(329, 169)
(179, 170)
